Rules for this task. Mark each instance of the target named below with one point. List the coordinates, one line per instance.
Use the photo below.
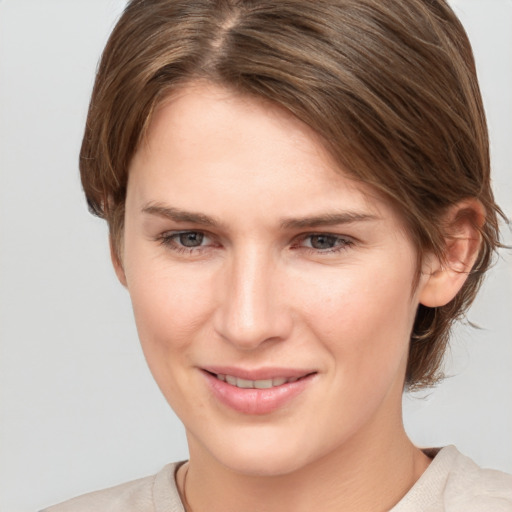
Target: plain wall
(78, 408)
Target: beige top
(452, 483)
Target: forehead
(202, 113)
(208, 139)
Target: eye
(190, 238)
(185, 241)
(324, 242)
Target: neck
(371, 472)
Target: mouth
(257, 392)
(255, 384)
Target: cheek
(363, 323)
(169, 305)
(171, 311)
(363, 318)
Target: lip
(254, 401)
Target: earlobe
(117, 263)
(441, 286)
(444, 279)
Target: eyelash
(343, 243)
(168, 240)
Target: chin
(263, 465)
(265, 453)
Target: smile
(255, 384)
(257, 392)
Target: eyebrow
(327, 219)
(179, 215)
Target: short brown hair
(390, 86)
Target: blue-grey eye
(191, 239)
(323, 241)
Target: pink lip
(257, 401)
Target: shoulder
(454, 483)
(472, 488)
(156, 492)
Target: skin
(255, 293)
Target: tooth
(231, 380)
(263, 384)
(244, 383)
(255, 384)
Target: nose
(252, 310)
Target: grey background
(78, 408)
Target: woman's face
(273, 295)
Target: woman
(299, 205)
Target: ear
(444, 279)
(117, 263)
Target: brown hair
(390, 86)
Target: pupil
(323, 242)
(191, 239)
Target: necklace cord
(186, 505)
